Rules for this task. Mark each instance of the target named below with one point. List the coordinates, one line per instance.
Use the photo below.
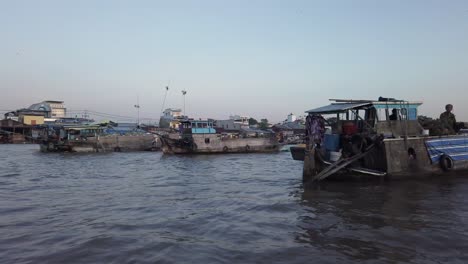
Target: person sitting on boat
(448, 120)
(394, 115)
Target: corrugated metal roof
(336, 108)
(290, 125)
(40, 107)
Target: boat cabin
(390, 118)
(54, 132)
(354, 125)
(196, 127)
(76, 133)
(378, 138)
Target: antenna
(164, 100)
(183, 94)
(137, 106)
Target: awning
(337, 108)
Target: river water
(145, 207)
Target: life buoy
(446, 163)
(225, 149)
(51, 146)
(247, 148)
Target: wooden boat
(364, 141)
(199, 137)
(94, 138)
(298, 151)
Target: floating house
(12, 131)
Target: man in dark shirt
(394, 115)
(448, 120)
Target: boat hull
(106, 143)
(396, 159)
(298, 152)
(216, 144)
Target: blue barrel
(332, 142)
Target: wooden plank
(340, 164)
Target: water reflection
(388, 221)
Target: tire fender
(446, 163)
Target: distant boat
(95, 138)
(298, 151)
(199, 137)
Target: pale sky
(255, 58)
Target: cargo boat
(94, 138)
(199, 137)
(365, 140)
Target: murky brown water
(146, 208)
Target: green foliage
(263, 123)
(252, 121)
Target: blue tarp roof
(337, 108)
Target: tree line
(263, 124)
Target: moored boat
(298, 151)
(199, 137)
(365, 140)
(94, 138)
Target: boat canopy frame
(340, 106)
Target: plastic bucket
(331, 142)
(334, 156)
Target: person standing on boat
(448, 120)
(394, 115)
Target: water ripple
(146, 208)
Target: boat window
(404, 114)
(207, 140)
(382, 114)
(361, 114)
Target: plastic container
(349, 128)
(334, 156)
(332, 142)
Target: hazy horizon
(263, 59)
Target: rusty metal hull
(398, 158)
(215, 143)
(107, 143)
